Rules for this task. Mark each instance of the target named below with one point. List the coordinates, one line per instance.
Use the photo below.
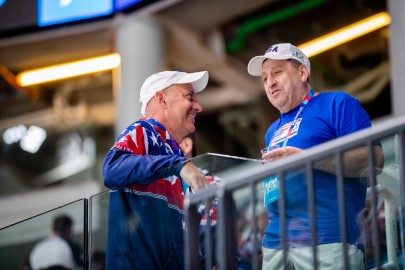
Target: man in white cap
(144, 172)
(308, 119)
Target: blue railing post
(226, 249)
(192, 257)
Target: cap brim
(198, 80)
(255, 64)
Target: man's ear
(160, 98)
(303, 72)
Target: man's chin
(191, 129)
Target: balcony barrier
(231, 239)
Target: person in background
(188, 145)
(97, 261)
(58, 250)
(145, 170)
(308, 118)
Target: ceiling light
(345, 34)
(33, 139)
(14, 134)
(68, 70)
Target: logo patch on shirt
(283, 132)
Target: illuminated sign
(52, 12)
(36, 15)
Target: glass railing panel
(243, 229)
(382, 219)
(251, 222)
(207, 232)
(56, 237)
(248, 212)
(98, 222)
(251, 211)
(222, 168)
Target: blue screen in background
(52, 12)
(122, 4)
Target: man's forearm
(355, 162)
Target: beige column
(141, 44)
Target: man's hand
(281, 153)
(193, 176)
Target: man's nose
(197, 106)
(271, 81)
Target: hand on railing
(279, 153)
(193, 176)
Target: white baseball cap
(164, 79)
(282, 51)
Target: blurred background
(54, 134)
